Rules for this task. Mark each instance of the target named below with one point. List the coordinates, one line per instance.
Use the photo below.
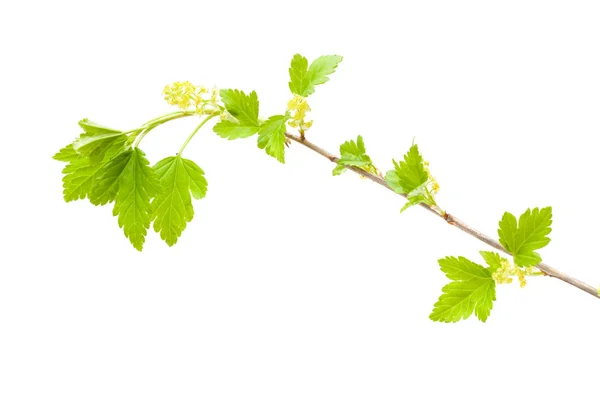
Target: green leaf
(462, 269)
(96, 145)
(96, 140)
(409, 174)
(92, 128)
(271, 136)
(304, 78)
(106, 182)
(493, 260)
(172, 208)
(338, 170)
(352, 154)
(417, 196)
(82, 174)
(410, 178)
(138, 183)
(244, 108)
(474, 290)
(529, 235)
(66, 154)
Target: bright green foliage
(493, 260)
(410, 177)
(92, 128)
(172, 207)
(138, 183)
(472, 290)
(96, 140)
(66, 154)
(304, 78)
(529, 235)
(82, 173)
(353, 154)
(271, 136)
(244, 109)
(106, 184)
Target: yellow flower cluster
(504, 274)
(435, 186)
(184, 94)
(298, 107)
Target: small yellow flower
(298, 107)
(184, 94)
(180, 94)
(506, 272)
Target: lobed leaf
(303, 78)
(82, 174)
(138, 183)
(172, 207)
(528, 235)
(474, 290)
(352, 153)
(244, 109)
(409, 177)
(271, 136)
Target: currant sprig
(106, 165)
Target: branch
(450, 219)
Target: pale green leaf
(106, 183)
(529, 235)
(460, 299)
(462, 269)
(232, 131)
(304, 78)
(66, 154)
(96, 144)
(271, 136)
(244, 109)
(352, 153)
(408, 174)
(92, 128)
(96, 140)
(82, 173)
(473, 290)
(493, 260)
(138, 183)
(172, 207)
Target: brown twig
(449, 218)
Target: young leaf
(66, 154)
(410, 178)
(92, 128)
(96, 140)
(304, 78)
(244, 108)
(352, 154)
(409, 174)
(271, 136)
(493, 260)
(95, 146)
(82, 174)
(530, 234)
(106, 183)
(138, 183)
(172, 207)
(474, 290)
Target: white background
(291, 285)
